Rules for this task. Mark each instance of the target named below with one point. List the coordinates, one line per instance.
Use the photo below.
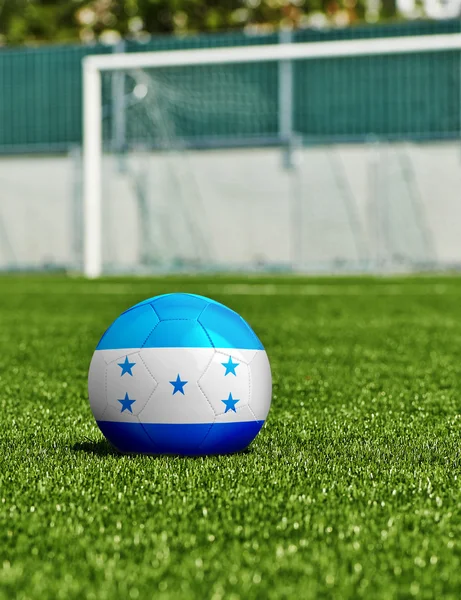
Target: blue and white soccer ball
(180, 374)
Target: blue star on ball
(126, 367)
(126, 404)
(178, 385)
(230, 403)
(230, 367)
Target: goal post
(95, 65)
(92, 152)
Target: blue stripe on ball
(187, 439)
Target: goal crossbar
(274, 52)
(94, 65)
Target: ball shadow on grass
(99, 447)
(104, 448)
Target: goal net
(248, 158)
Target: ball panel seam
(153, 329)
(201, 389)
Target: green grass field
(351, 490)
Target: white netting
(197, 175)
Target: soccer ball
(180, 374)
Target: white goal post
(95, 65)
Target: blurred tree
(35, 21)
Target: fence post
(285, 100)
(118, 105)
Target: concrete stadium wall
(338, 207)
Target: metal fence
(40, 91)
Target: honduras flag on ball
(180, 374)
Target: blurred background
(334, 165)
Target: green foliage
(29, 21)
(37, 20)
(351, 490)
